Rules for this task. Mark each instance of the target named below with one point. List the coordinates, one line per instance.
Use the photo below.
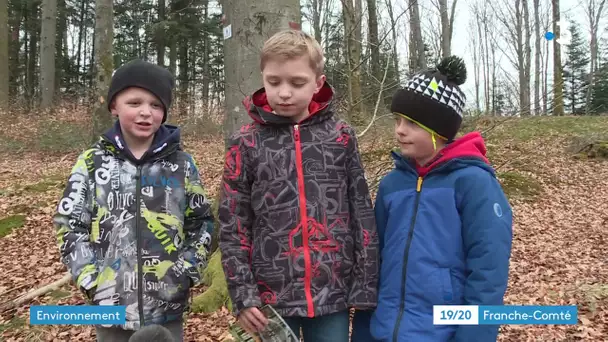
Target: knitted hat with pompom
(433, 99)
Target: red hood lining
(469, 145)
(319, 101)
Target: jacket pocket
(445, 282)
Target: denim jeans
(328, 328)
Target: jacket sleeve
(362, 318)
(381, 214)
(236, 218)
(487, 236)
(198, 225)
(364, 288)
(74, 231)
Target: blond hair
(290, 44)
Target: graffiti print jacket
(297, 223)
(135, 232)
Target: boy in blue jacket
(444, 223)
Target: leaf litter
(559, 255)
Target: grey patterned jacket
(297, 224)
(135, 232)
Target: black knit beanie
(137, 73)
(433, 97)
(152, 333)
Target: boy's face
(139, 112)
(290, 86)
(414, 141)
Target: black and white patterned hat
(433, 98)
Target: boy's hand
(252, 320)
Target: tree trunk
(104, 64)
(81, 35)
(489, 78)
(558, 99)
(451, 25)
(47, 53)
(14, 47)
(445, 28)
(474, 44)
(493, 80)
(525, 86)
(206, 53)
(251, 24)
(373, 43)
(317, 6)
(395, 57)
(33, 29)
(351, 14)
(546, 83)
(160, 34)
(62, 64)
(417, 53)
(594, 18)
(537, 46)
(184, 71)
(4, 73)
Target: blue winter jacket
(445, 235)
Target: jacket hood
(260, 111)
(166, 137)
(468, 150)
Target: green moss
(594, 150)
(216, 295)
(497, 129)
(42, 186)
(593, 294)
(59, 294)
(518, 186)
(26, 333)
(12, 324)
(20, 209)
(9, 223)
(215, 206)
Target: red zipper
(304, 221)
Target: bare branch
(379, 98)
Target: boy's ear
(320, 82)
(113, 108)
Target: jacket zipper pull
(419, 186)
(296, 132)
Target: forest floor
(559, 197)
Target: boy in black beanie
(444, 223)
(133, 224)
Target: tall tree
(32, 24)
(594, 12)
(558, 83)
(47, 53)
(393, 23)
(373, 42)
(104, 63)
(524, 81)
(575, 71)
(474, 43)
(516, 20)
(447, 26)
(4, 38)
(250, 24)
(160, 34)
(599, 99)
(416, 49)
(351, 13)
(537, 54)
